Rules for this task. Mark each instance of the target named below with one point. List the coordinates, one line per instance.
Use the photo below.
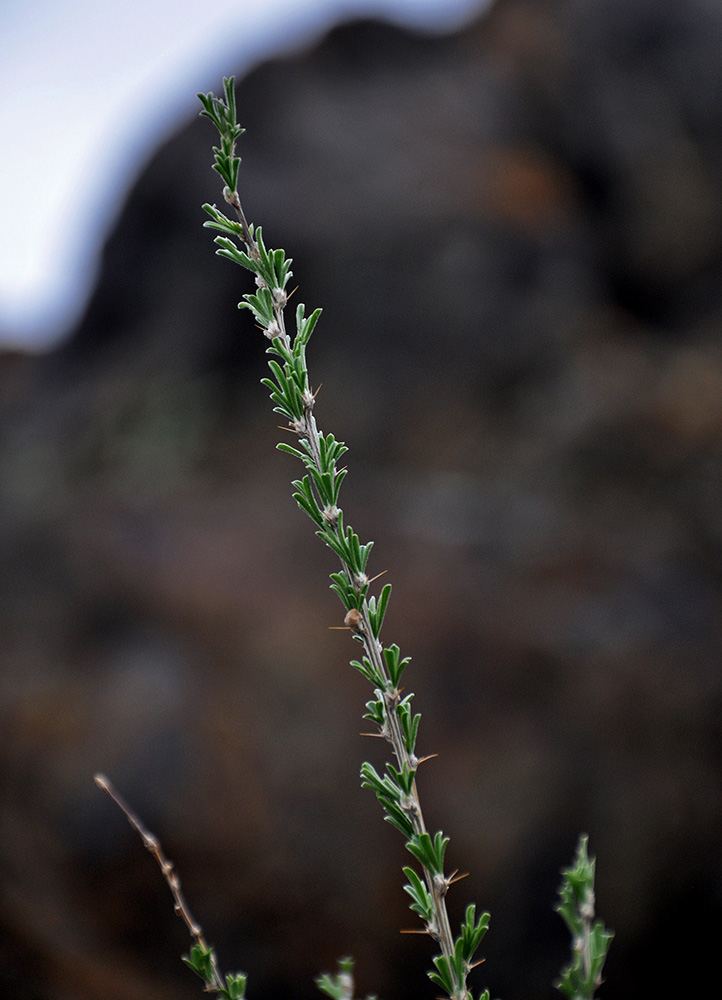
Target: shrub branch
(317, 494)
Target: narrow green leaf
(368, 670)
(421, 900)
(305, 325)
(428, 852)
(290, 450)
(235, 986)
(397, 817)
(376, 709)
(442, 977)
(333, 543)
(379, 610)
(403, 777)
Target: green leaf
(376, 709)
(389, 795)
(397, 817)
(333, 543)
(338, 478)
(304, 326)
(369, 672)
(280, 268)
(430, 853)
(227, 248)
(260, 304)
(273, 266)
(377, 609)
(339, 986)
(443, 976)
(235, 986)
(409, 723)
(472, 932)
(221, 222)
(309, 507)
(323, 481)
(342, 586)
(404, 778)
(394, 664)
(381, 786)
(280, 399)
(421, 899)
(200, 961)
(290, 450)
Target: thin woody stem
(152, 844)
(235, 202)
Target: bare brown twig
(151, 843)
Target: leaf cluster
(202, 961)
(222, 112)
(454, 968)
(338, 986)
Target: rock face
(516, 236)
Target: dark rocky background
(516, 236)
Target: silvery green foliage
(590, 938)
(317, 494)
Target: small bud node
(409, 805)
(441, 884)
(354, 620)
(586, 909)
(330, 514)
(391, 698)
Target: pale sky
(89, 88)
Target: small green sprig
(338, 986)
(590, 938)
(317, 494)
(202, 961)
(223, 115)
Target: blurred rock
(516, 236)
